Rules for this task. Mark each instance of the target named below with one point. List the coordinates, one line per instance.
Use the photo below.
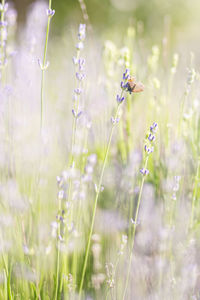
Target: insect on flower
(133, 86)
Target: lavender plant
(44, 64)
(79, 63)
(148, 149)
(114, 120)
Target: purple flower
(78, 91)
(151, 137)
(79, 114)
(81, 32)
(4, 7)
(73, 112)
(119, 99)
(144, 171)
(75, 60)
(126, 74)
(154, 127)
(80, 76)
(76, 115)
(50, 12)
(81, 63)
(124, 85)
(3, 23)
(80, 46)
(114, 121)
(148, 150)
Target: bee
(133, 86)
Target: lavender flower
(76, 115)
(154, 127)
(151, 137)
(119, 99)
(125, 78)
(81, 32)
(114, 120)
(75, 60)
(148, 147)
(81, 63)
(50, 12)
(126, 75)
(80, 46)
(78, 91)
(148, 150)
(80, 76)
(124, 86)
(3, 8)
(3, 23)
(144, 171)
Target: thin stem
(74, 126)
(43, 69)
(134, 230)
(113, 277)
(71, 163)
(74, 129)
(96, 200)
(58, 255)
(195, 193)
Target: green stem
(134, 230)
(195, 193)
(79, 211)
(43, 69)
(96, 200)
(71, 163)
(58, 255)
(74, 126)
(128, 126)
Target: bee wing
(131, 83)
(139, 87)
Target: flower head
(50, 12)
(144, 171)
(78, 91)
(126, 75)
(154, 127)
(119, 99)
(79, 46)
(151, 137)
(81, 32)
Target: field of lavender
(99, 162)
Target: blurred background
(110, 18)
(154, 39)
